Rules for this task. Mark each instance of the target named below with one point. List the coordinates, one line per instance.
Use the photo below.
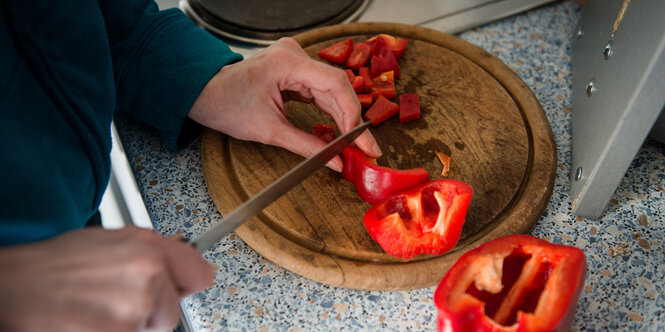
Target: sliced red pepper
(365, 99)
(350, 75)
(383, 59)
(409, 107)
(513, 283)
(325, 132)
(358, 85)
(397, 44)
(338, 52)
(375, 183)
(426, 219)
(381, 110)
(357, 82)
(364, 73)
(384, 85)
(359, 55)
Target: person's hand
(246, 100)
(98, 280)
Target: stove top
(264, 21)
(248, 26)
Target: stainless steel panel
(618, 92)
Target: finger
(189, 271)
(166, 314)
(302, 95)
(334, 95)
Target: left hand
(246, 100)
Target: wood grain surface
(474, 109)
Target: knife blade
(272, 192)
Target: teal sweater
(65, 67)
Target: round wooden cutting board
(474, 109)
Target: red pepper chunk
(365, 100)
(383, 59)
(326, 132)
(338, 52)
(384, 85)
(409, 107)
(364, 73)
(381, 110)
(350, 75)
(375, 183)
(397, 44)
(426, 219)
(513, 283)
(359, 55)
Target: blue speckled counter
(625, 249)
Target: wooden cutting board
(474, 108)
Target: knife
(272, 192)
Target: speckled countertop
(625, 248)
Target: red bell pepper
(381, 110)
(514, 283)
(364, 73)
(383, 59)
(350, 75)
(426, 219)
(338, 52)
(409, 107)
(397, 44)
(325, 132)
(375, 183)
(357, 82)
(365, 99)
(384, 85)
(359, 55)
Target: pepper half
(514, 283)
(426, 219)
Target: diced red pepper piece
(364, 73)
(426, 219)
(338, 52)
(384, 85)
(365, 99)
(397, 44)
(513, 283)
(409, 107)
(383, 59)
(375, 183)
(359, 55)
(350, 75)
(381, 110)
(325, 132)
(358, 85)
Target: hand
(246, 100)
(98, 280)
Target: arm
(161, 62)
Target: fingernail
(376, 150)
(334, 166)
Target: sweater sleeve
(161, 62)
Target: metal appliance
(618, 94)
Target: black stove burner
(268, 20)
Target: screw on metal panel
(591, 87)
(580, 32)
(578, 174)
(609, 49)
